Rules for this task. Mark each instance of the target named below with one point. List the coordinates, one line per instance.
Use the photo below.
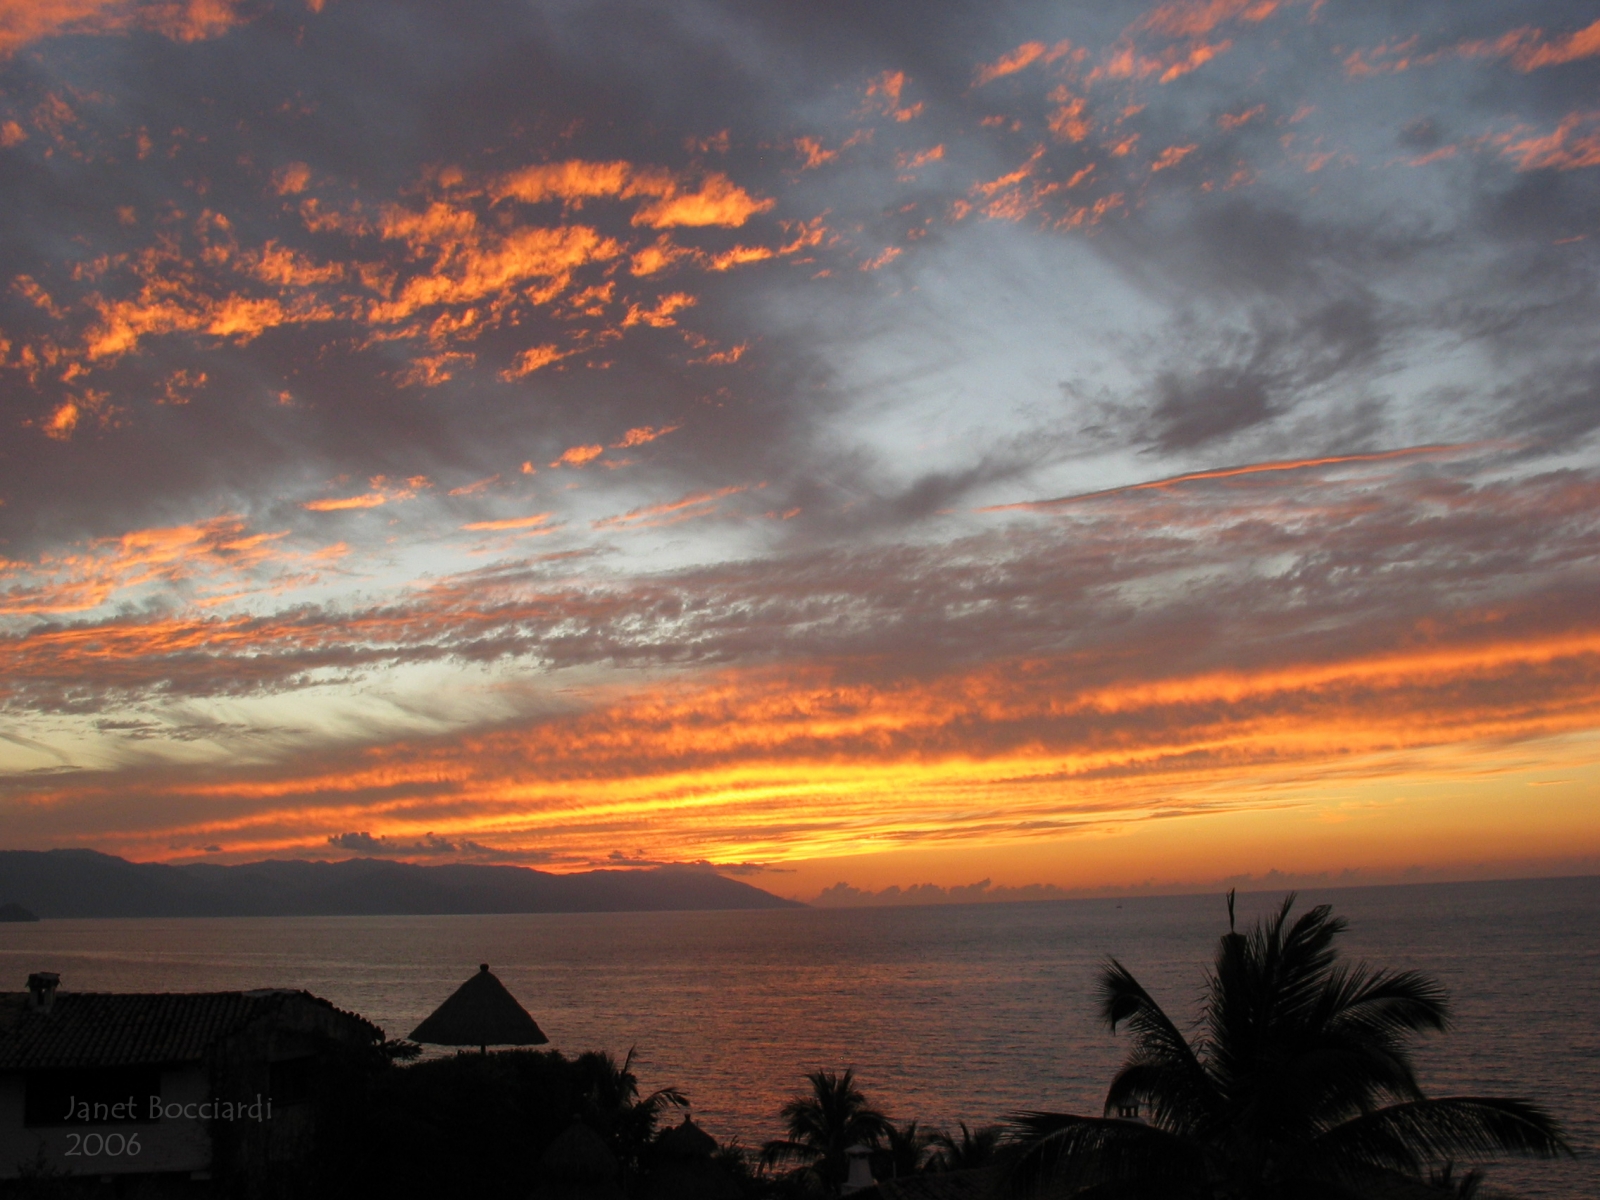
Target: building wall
(267, 1160)
(219, 1116)
(182, 1144)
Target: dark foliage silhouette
(824, 1124)
(975, 1148)
(906, 1149)
(1299, 1086)
(474, 1124)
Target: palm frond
(1082, 1157)
(1324, 1082)
(781, 1150)
(1124, 1000)
(1174, 1096)
(1264, 979)
(663, 1098)
(974, 1148)
(1395, 1003)
(1407, 1137)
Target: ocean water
(945, 1013)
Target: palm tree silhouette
(907, 1147)
(975, 1148)
(608, 1102)
(1299, 1087)
(826, 1123)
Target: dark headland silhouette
(86, 883)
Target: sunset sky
(879, 442)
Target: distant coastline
(86, 883)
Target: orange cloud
(221, 548)
(643, 434)
(1019, 194)
(658, 256)
(382, 493)
(1090, 214)
(1529, 49)
(575, 181)
(472, 263)
(62, 421)
(1232, 121)
(69, 415)
(791, 762)
(536, 519)
(723, 358)
(813, 154)
(1022, 57)
(1440, 155)
(716, 200)
(739, 256)
(161, 309)
(1196, 18)
(472, 489)
(1574, 143)
(180, 387)
(1011, 178)
(430, 370)
(1171, 157)
(661, 315)
(886, 90)
(719, 201)
(577, 456)
(292, 179)
(972, 727)
(685, 508)
(1298, 464)
(450, 268)
(910, 161)
(1125, 62)
(1197, 57)
(1566, 48)
(288, 268)
(1069, 122)
(367, 500)
(533, 359)
(26, 21)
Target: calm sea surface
(945, 1013)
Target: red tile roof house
(186, 1086)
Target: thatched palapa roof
(480, 1013)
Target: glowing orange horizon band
(1226, 472)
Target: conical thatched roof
(687, 1140)
(480, 1013)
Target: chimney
(42, 990)
(860, 1177)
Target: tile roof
(125, 1029)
